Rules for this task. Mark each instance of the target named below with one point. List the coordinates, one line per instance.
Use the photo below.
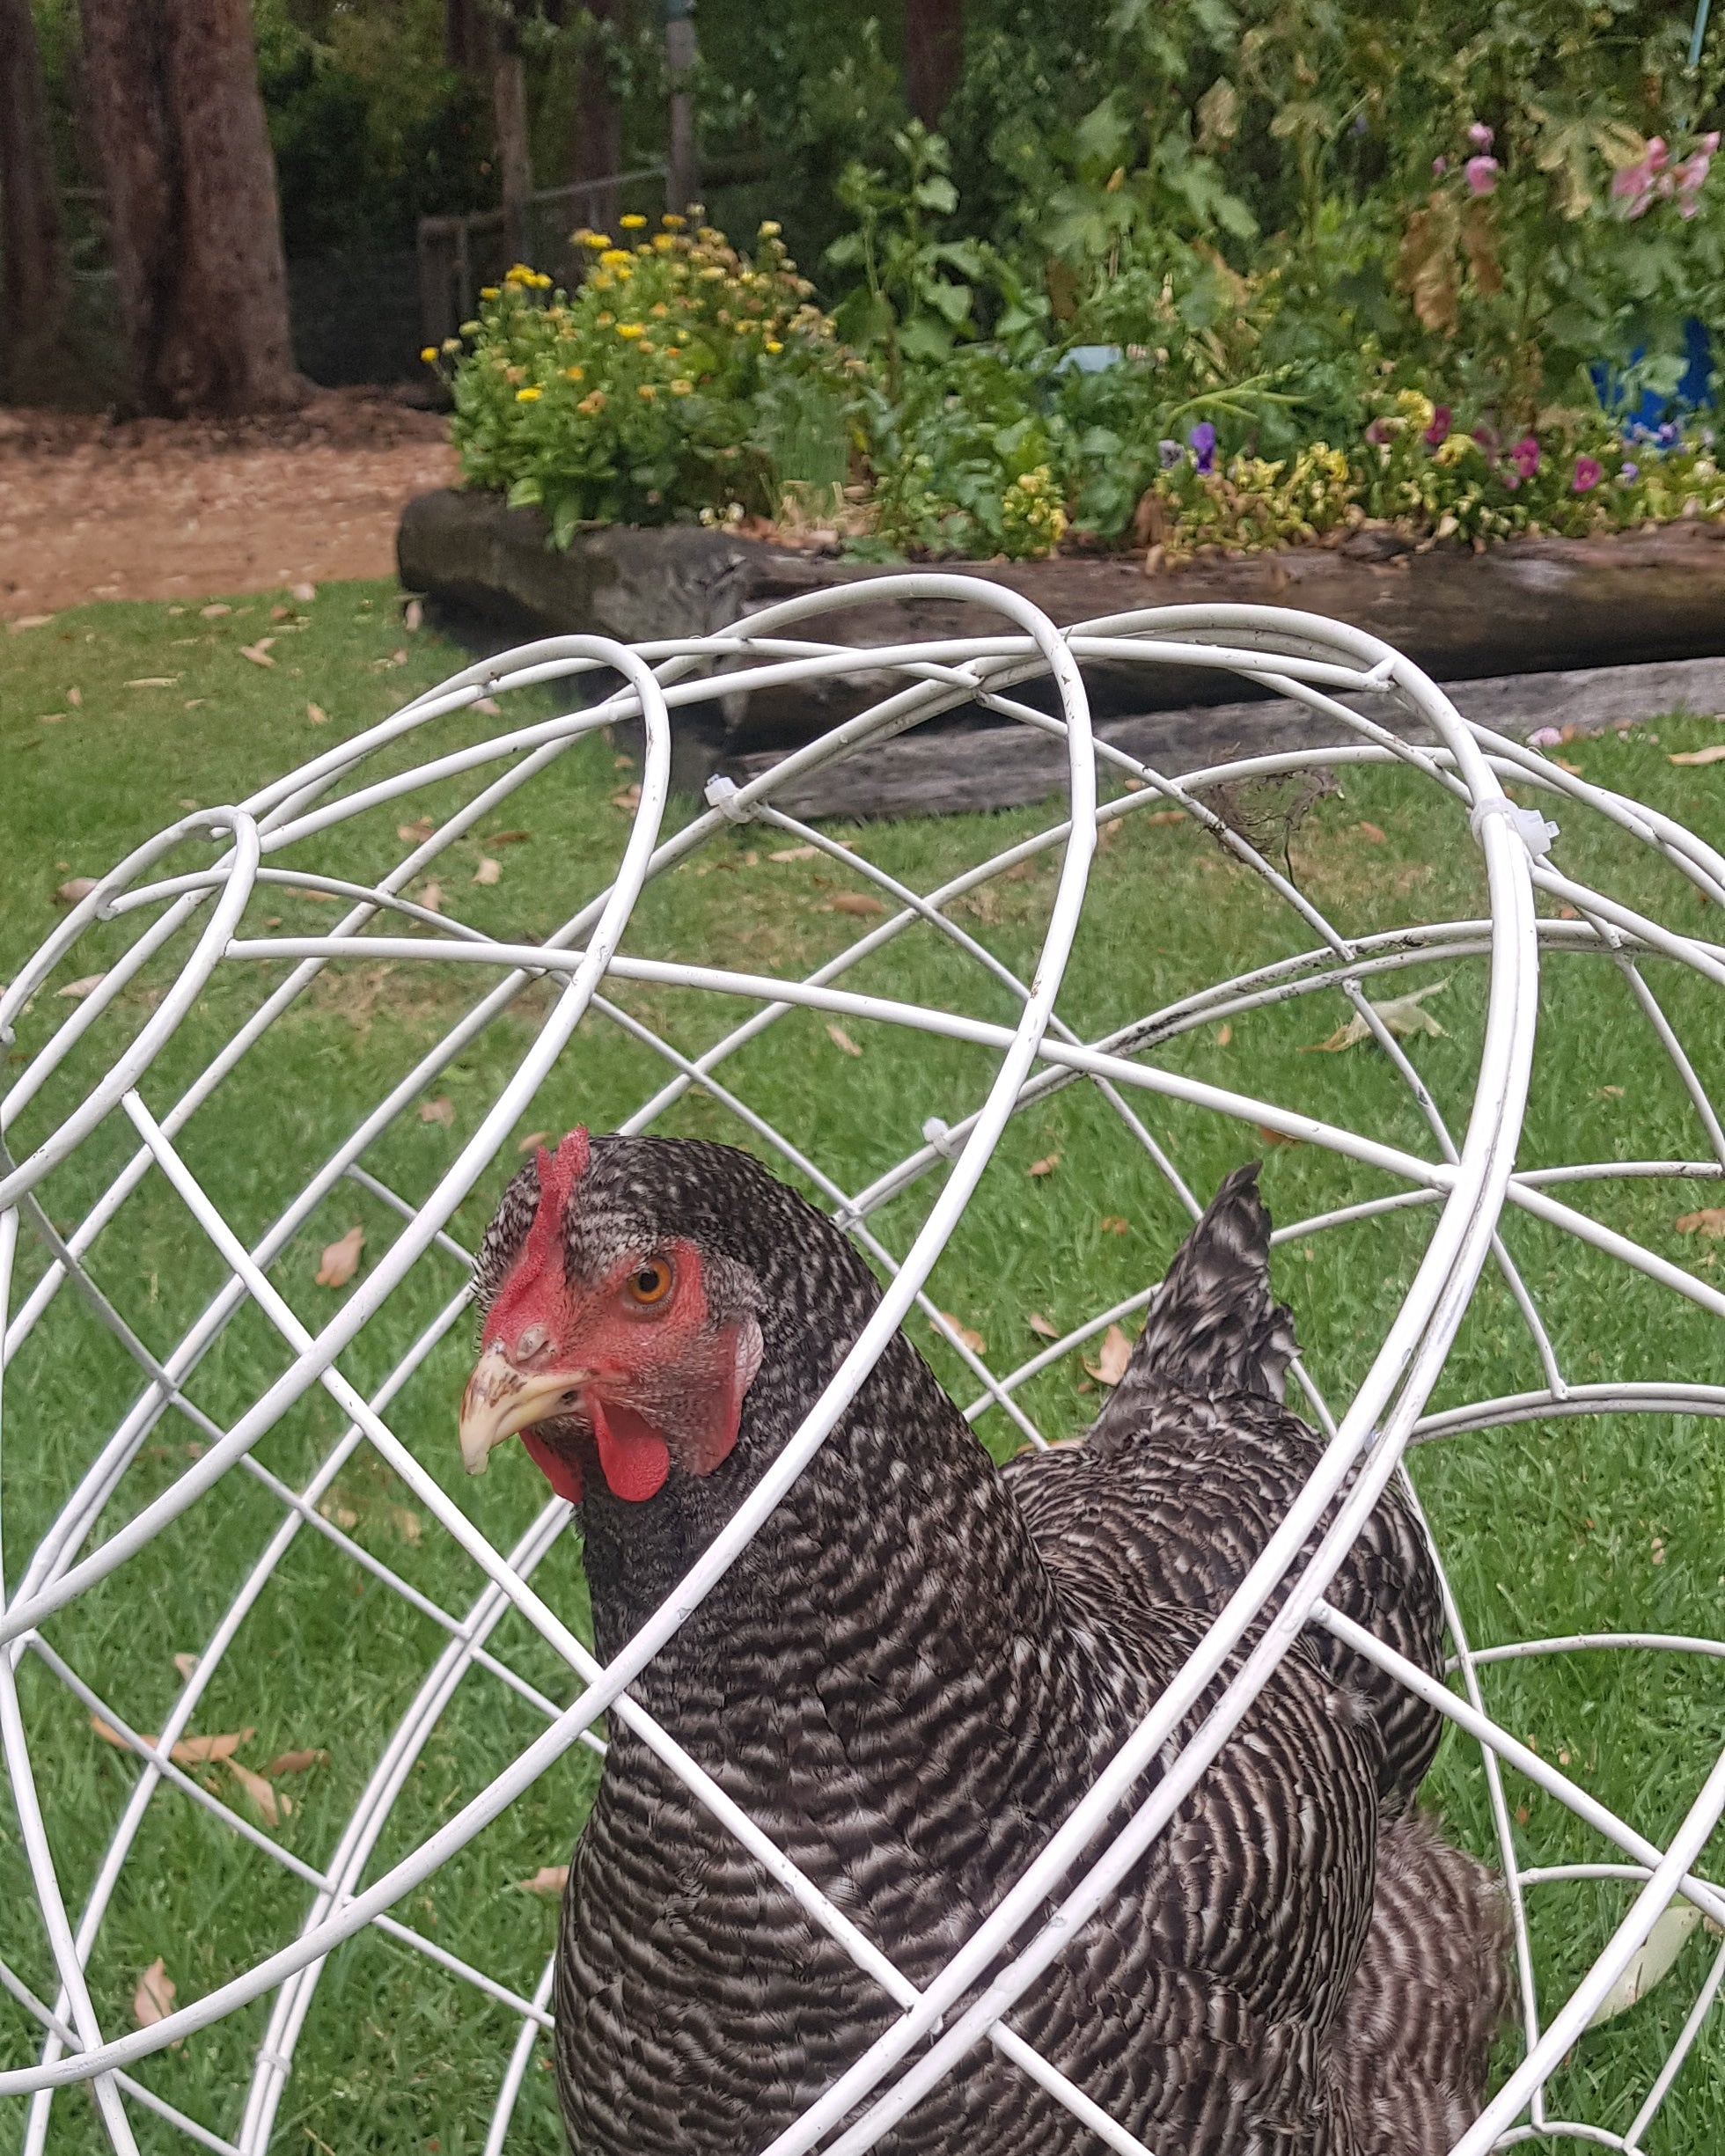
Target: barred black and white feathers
(914, 1674)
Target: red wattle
(563, 1474)
(634, 1454)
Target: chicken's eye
(650, 1283)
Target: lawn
(1602, 1523)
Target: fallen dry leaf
(272, 1806)
(412, 616)
(259, 652)
(1277, 1138)
(490, 706)
(341, 1259)
(304, 593)
(78, 887)
(338, 1514)
(153, 681)
(549, 1878)
(440, 1110)
(317, 715)
(1166, 816)
(857, 902)
(1039, 1323)
(972, 1338)
(406, 1522)
(622, 763)
(1224, 1034)
(1709, 1222)
(839, 1038)
(1109, 1365)
(1650, 1961)
(279, 614)
(1112, 1224)
(297, 1763)
(185, 1664)
(795, 852)
(531, 1140)
(28, 621)
(215, 612)
(432, 898)
(1046, 1166)
(1371, 834)
(75, 698)
(629, 798)
(110, 1735)
(78, 989)
(1713, 755)
(153, 2000)
(488, 870)
(199, 1751)
(50, 718)
(508, 838)
(416, 832)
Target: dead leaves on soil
(341, 1259)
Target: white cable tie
(722, 796)
(1535, 831)
(936, 1133)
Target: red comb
(538, 1267)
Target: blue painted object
(1693, 391)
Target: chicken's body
(913, 1674)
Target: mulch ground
(159, 508)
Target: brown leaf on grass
(508, 838)
(412, 617)
(215, 612)
(153, 681)
(406, 1522)
(1112, 1224)
(75, 888)
(795, 852)
(185, 1664)
(1114, 1354)
(416, 832)
(297, 1762)
(78, 989)
(75, 698)
(110, 1735)
(857, 902)
(199, 1751)
(628, 799)
(1372, 834)
(341, 1259)
(439, 1110)
(317, 715)
(259, 652)
(1709, 1222)
(1224, 1034)
(1046, 1166)
(489, 870)
(338, 1514)
(490, 706)
(839, 1038)
(1041, 1325)
(50, 718)
(272, 1806)
(1277, 1138)
(1713, 755)
(304, 593)
(972, 1338)
(153, 2000)
(534, 1140)
(549, 1878)
(432, 898)
(1166, 816)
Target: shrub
(679, 377)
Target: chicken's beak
(500, 1400)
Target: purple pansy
(1628, 470)
(1203, 441)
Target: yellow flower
(487, 291)
(663, 242)
(428, 353)
(527, 396)
(631, 223)
(628, 329)
(773, 345)
(712, 274)
(593, 401)
(681, 386)
(614, 255)
(596, 239)
(771, 228)
(518, 273)
(673, 221)
(647, 392)
(574, 374)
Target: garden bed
(1526, 607)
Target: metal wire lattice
(72, 1194)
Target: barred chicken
(919, 1667)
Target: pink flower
(1655, 159)
(1440, 427)
(1480, 174)
(1709, 143)
(1589, 473)
(1524, 455)
(1480, 136)
(1439, 165)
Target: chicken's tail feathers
(1213, 1325)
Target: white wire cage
(197, 1470)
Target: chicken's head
(617, 1337)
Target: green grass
(1546, 1528)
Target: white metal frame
(202, 920)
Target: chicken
(918, 1668)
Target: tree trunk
(683, 179)
(934, 53)
(509, 100)
(464, 37)
(598, 122)
(33, 296)
(195, 228)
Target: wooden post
(509, 100)
(33, 297)
(683, 180)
